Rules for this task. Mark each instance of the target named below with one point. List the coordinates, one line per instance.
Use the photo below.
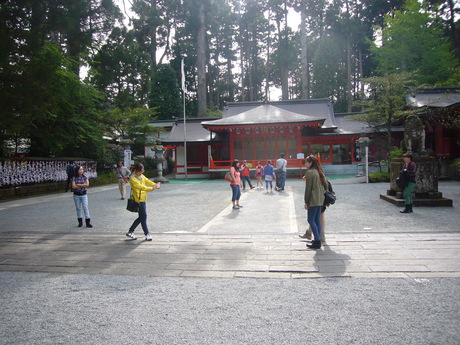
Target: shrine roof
(440, 97)
(195, 133)
(276, 113)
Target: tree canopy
(233, 50)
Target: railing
(291, 164)
(192, 168)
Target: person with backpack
(308, 233)
(315, 187)
(70, 170)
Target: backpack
(70, 170)
(329, 195)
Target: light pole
(364, 142)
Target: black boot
(80, 222)
(410, 208)
(406, 209)
(314, 245)
(88, 223)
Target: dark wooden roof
(439, 97)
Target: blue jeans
(269, 183)
(236, 192)
(314, 214)
(246, 179)
(142, 219)
(81, 200)
(281, 179)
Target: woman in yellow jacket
(140, 185)
(315, 187)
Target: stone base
(398, 201)
(160, 179)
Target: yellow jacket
(140, 187)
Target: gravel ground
(55, 309)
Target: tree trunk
(304, 56)
(349, 97)
(201, 63)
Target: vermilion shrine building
(259, 131)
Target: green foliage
(456, 162)
(384, 104)
(395, 152)
(326, 69)
(49, 105)
(165, 95)
(382, 176)
(120, 69)
(413, 41)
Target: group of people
(316, 185)
(240, 175)
(140, 185)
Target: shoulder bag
(228, 177)
(133, 206)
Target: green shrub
(103, 179)
(382, 176)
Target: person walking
(80, 184)
(235, 184)
(259, 174)
(245, 175)
(269, 173)
(410, 172)
(70, 171)
(315, 187)
(281, 170)
(140, 185)
(122, 173)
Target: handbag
(228, 177)
(402, 181)
(133, 206)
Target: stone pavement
(197, 234)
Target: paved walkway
(196, 233)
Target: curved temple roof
(316, 113)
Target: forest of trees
(233, 51)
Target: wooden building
(258, 131)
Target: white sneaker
(148, 237)
(131, 235)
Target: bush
(103, 179)
(382, 176)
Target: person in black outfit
(70, 170)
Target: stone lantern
(158, 150)
(426, 187)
